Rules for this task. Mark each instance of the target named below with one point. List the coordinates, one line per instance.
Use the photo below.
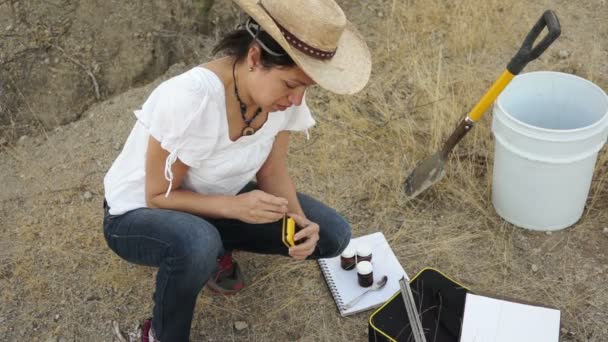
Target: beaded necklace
(247, 130)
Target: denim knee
(195, 254)
(334, 236)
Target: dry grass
(432, 61)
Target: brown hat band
(299, 44)
(303, 47)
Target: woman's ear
(254, 57)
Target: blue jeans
(186, 247)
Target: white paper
(489, 319)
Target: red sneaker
(147, 334)
(228, 279)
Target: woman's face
(277, 88)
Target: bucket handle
(527, 52)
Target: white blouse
(187, 115)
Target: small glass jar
(364, 253)
(365, 274)
(347, 259)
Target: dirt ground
(432, 61)
(57, 58)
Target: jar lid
(364, 267)
(348, 252)
(363, 250)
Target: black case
(439, 299)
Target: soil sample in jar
(365, 274)
(364, 253)
(347, 259)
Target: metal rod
(412, 312)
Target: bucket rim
(595, 87)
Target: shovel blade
(427, 173)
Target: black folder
(440, 304)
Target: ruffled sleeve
(299, 118)
(176, 114)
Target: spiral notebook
(343, 284)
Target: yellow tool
(289, 230)
(431, 170)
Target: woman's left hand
(309, 233)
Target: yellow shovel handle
(491, 95)
(527, 53)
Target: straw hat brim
(347, 72)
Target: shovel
(431, 170)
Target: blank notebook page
(489, 319)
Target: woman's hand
(259, 207)
(309, 233)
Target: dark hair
(237, 43)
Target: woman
(180, 197)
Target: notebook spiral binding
(330, 283)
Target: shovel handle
(528, 52)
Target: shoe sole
(219, 290)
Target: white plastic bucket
(549, 128)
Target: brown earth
(432, 61)
(59, 57)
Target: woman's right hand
(259, 207)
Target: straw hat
(317, 36)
